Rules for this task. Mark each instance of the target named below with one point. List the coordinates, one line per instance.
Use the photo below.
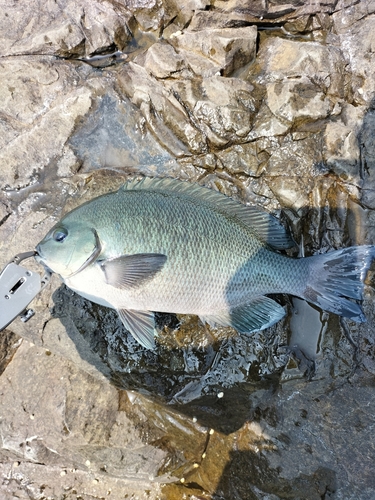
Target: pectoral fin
(132, 270)
(141, 325)
(258, 314)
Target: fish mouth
(91, 258)
(38, 257)
(40, 260)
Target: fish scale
(169, 246)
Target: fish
(165, 245)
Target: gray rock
(342, 146)
(244, 159)
(229, 49)
(297, 100)
(287, 59)
(289, 13)
(149, 15)
(356, 41)
(163, 61)
(198, 64)
(164, 114)
(56, 437)
(350, 12)
(179, 18)
(63, 29)
(223, 108)
(41, 111)
(114, 135)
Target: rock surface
(269, 102)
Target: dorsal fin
(265, 226)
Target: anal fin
(255, 315)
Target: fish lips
(38, 257)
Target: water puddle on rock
(308, 325)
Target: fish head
(68, 248)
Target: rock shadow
(247, 473)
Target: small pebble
(211, 432)
(220, 395)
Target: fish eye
(60, 234)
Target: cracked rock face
(271, 103)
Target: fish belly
(200, 286)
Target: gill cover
(69, 247)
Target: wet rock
(57, 439)
(262, 442)
(266, 124)
(367, 146)
(289, 167)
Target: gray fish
(169, 246)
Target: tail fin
(338, 276)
